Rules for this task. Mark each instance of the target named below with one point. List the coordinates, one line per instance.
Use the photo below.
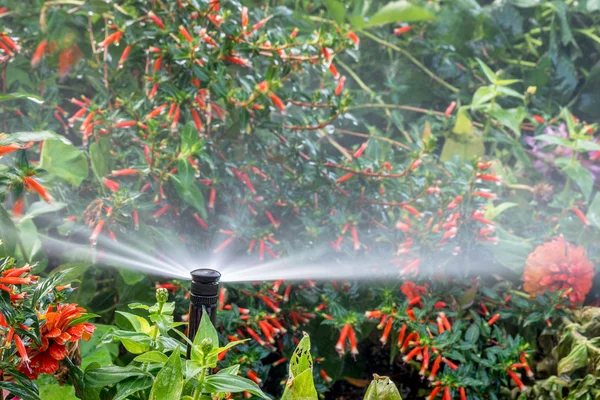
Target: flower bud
(162, 295)
(206, 345)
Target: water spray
(204, 296)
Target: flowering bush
(451, 157)
(36, 338)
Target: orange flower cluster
(56, 333)
(559, 265)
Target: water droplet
(90, 13)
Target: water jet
(204, 295)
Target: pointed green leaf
(489, 74)
(399, 11)
(169, 381)
(382, 388)
(228, 383)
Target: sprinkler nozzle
(203, 299)
(205, 282)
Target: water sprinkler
(203, 298)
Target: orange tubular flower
(39, 53)
(34, 186)
(559, 265)
(56, 334)
(9, 148)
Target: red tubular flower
(449, 110)
(156, 20)
(211, 198)
(157, 111)
(334, 71)
(255, 336)
(403, 29)
(352, 339)
(559, 265)
(18, 207)
(340, 86)
(39, 53)
(484, 195)
(224, 244)
(325, 376)
(538, 119)
(435, 368)
(238, 61)
(252, 376)
(341, 343)
(581, 216)
(450, 364)
(124, 56)
(96, 232)
(528, 370)
(124, 172)
(356, 242)
(9, 148)
(185, 34)
(447, 395)
(412, 210)
(493, 320)
(386, 331)
(401, 335)
(454, 203)
(354, 38)
(436, 390)
(515, 378)
(425, 363)
(112, 38)
(34, 186)
(463, 393)
(277, 101)
(244, 18)
(269, 303)
(344, 178)
(113, 186)
(125, 124)
(412, 354)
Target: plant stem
(413, 60)
(198, 391)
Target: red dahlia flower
(559, 265)
(56, 333)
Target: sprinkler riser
(204, 297)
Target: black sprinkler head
(203, 299)
(205, 282)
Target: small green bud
(162, 295)
(206, 345)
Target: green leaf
(511, 118)
(97, 159)
(17, 96)
(50, 389)
(18, 390)
(511, 251)
(582, 146)
(64, 161)
(399, 11)
(336, 10)
(8, 234)
(576, 359)
(555, 140)
(233, 370)
(169, 381)
(582, 177)
(300, 384)
(134, 342)
(489, 74)
(593, 214)
(472, 334)
(152, 357)
(131, 277)
(189, 193)
(138, 323)
(382, 388)
(227, 383)
(131, 386)
(104, 376)
(483, 95)
(463, 124)
(465, 148)
(492, 211)
(206, 330)
(26, 137)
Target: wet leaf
(382, 388)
